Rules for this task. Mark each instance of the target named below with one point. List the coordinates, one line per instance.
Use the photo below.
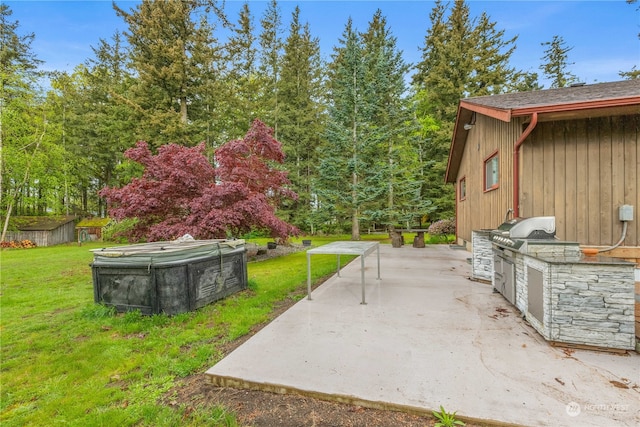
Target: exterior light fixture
(472, 122)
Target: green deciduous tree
(22, 117)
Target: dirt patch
(259, 408)
(265, 409)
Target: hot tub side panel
(126, 289)
(173, 289)
(214, 279)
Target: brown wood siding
(581, 172)
(480, 209)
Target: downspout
(516, 163)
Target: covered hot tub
(168, 277)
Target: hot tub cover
(165, 252)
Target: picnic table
(361, 249)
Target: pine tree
(172, 56)
(556, 63)
(393, 123)
(353, 175)
(107, 129)
(461, 57)
(341, 170)
(242, 81)
(270, 58)
(301, 112)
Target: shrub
(443, 227)
(117, 231)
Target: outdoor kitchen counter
(577, 299)
(583, 259)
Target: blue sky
(603, 34)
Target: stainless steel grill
(515, 232)
(509, 238)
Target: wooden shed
(572, 153)
(91, 228)
(43, 230)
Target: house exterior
(572, 153)
(43, 230)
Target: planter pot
(271, 245)
(306, 243)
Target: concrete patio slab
(429, 336)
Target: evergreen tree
(108, 128)
(394, 123)
(270, 58)
(172, 56)
(446, 60)
(556, 63)
(301, 112)
(350, 180)
(242, 81)
(461, 57)
(491, 73)
(634, 73)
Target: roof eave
(465, 108)
(577, 106)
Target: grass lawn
(66, 360)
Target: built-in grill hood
(514, 232)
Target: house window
(491, 172)
(462, 188)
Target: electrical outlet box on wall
(626, 213)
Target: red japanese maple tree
(180, 192)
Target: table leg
(362, 276)
(378, 251)
(338, 265)
(308, 276)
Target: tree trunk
(355, 226)
(20, 186)
(183, 110)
